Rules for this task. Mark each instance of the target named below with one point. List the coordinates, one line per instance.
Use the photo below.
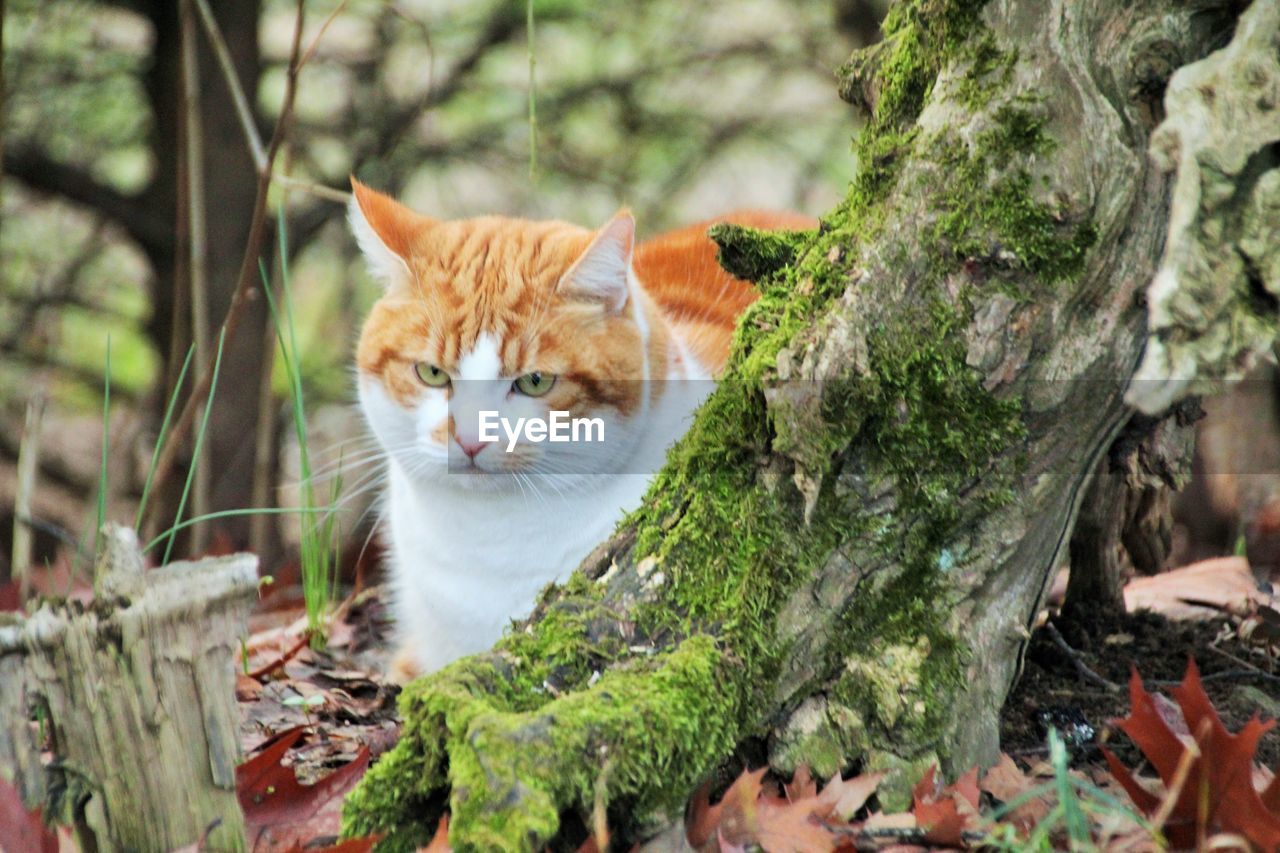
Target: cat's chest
(536, 535)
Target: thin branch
(248, 267)
(58, 292)
(315, 42)
(318, 190)
(193, 154)
(243, 111)
(1082, 669)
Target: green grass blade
(226, 513)
(164, 431)
(319, 538)
(204, 426)
(1073, 815)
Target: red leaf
(280, 811)
(939, 813)
(1218, 793)
(22, 830)
(847, 796)
(1007, 784)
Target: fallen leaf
(1203, 590)
(1217, 794)
(279, 810)
(439, 841)
(1006, 782)
(939, 812)
(847, 796)
(801, 785)
(749, 816)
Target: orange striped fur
(500, 275)
(699, 299)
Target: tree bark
(842, 560)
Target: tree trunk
(1125, 524)
(841, 562)
(231, 186)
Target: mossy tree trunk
(841, 561)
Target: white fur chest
(464, 563)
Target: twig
(193, 147)
(243, 112)
(248, 266)
(265, 670)
(1236, 659)
(1228, 675)
(1173, 791)
(57, 531)
(245, 115)
(315, 42)
(1082, 670)
(318, 190)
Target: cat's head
(511, 317)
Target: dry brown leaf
(847, 796)
(279, 810)
(1203, 590)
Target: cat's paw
(404, 666)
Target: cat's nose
(470, 446)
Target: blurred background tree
(678, 110)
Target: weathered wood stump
(135, 692)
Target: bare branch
(243, 111)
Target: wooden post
(136, 695)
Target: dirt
(1235, 676)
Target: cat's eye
(535, 384)
(431, 375)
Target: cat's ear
(600, 273)
(384, 229)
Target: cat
(521, 318)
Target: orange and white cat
(520, 319)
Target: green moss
(990, 70)
(509, 774)
(1001, 218)
(751, 254)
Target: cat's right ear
(384, 229)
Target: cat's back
(701, 300)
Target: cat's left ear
(386, 231)
(600, 273)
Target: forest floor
(312, 720)
(1075, 678)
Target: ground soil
(1235, 675)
